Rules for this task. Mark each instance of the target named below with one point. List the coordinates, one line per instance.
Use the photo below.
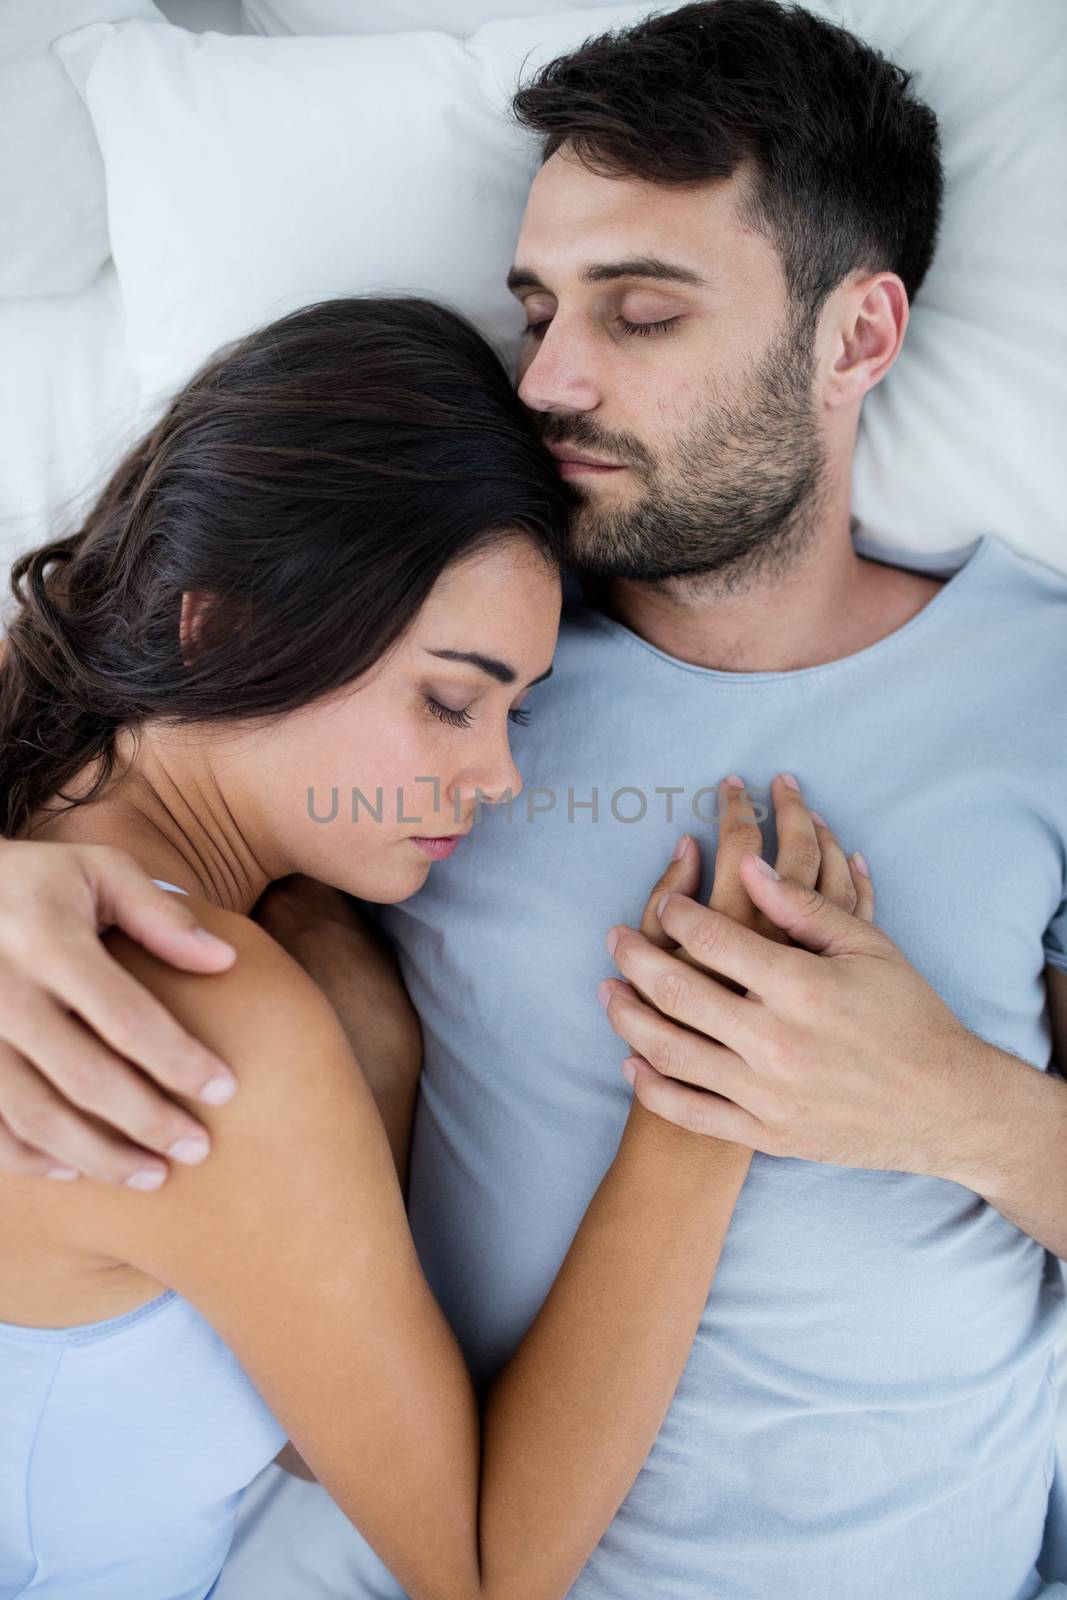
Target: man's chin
(592, 550)
(600, 535)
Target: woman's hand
(75, 1026)
(808, 853)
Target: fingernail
(734, 781)
(612, 940)
(190, 1151)
(217, 1091)
(815, 817)
(65, 1173)
(147, 1178)
(681, 847)
(603, 993)
(789, 780)
(765, 867)
(629, 1071)
(661, 902)
(861, 863)
(212, 942)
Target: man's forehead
(581, 224)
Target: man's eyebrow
(500, 670)
(606, 271)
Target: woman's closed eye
(462, 718)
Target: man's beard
(736, 496)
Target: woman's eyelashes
(463, 718)
(455, 719)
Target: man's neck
(827, 604)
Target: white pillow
(54, 225)
(69, 407)
(459, 17)
(247, 176)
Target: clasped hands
(778, 1016)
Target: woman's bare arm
(324, 930)
(293, 1242)
(307, 1269)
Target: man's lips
(574, 461)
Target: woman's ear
(197, 605)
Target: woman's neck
(167, 809)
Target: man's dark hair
(846, 164)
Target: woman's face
(351, 789)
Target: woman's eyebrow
(500, 670)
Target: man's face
(698, 388)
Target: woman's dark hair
(316, 479)
(846, 164)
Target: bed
(173, 176)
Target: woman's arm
(323, 929)
(293, 1242)
(577, 1409)
(307, 1269)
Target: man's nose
(559, 376)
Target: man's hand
(80, 1040)
(839, 1051)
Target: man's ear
(197, 605)
(866, 332)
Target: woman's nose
(492, 782)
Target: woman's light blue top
(125, 1449)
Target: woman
(333, 564)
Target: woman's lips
(438, 849)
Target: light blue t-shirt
(868, 1409)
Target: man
(737, 204)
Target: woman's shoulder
(271, 1024)
(259, 1004)
(300, 1091)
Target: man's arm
(842, 1053)
(74, 1026)
(1023, 1171)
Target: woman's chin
(402, 879)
